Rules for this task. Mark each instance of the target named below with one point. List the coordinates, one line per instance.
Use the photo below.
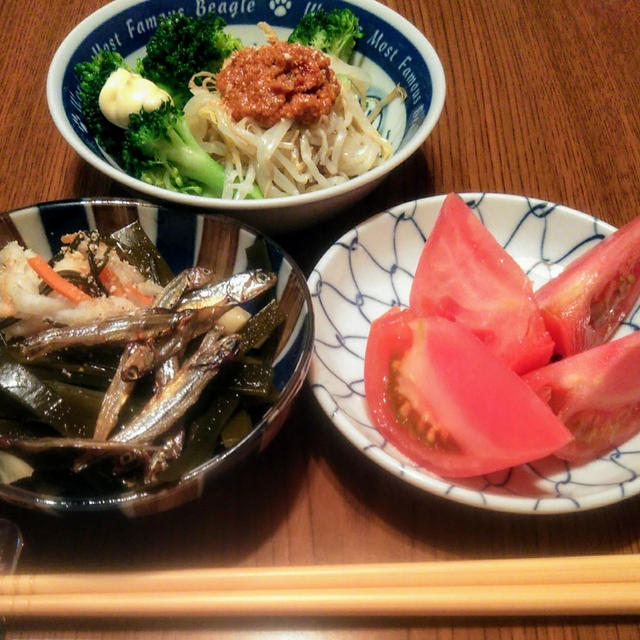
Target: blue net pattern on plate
(370, 269)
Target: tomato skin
(493, 418)
(583, 306)
(596, 393)
(464, 275)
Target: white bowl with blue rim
(215, 241)
(370, 269)
(392, 50)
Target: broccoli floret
(160, 149)
(92, 75)
(183, 45)
(335, 32)
(157, 146)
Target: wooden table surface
(542, 100)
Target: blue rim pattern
(128, 30)
(392, 51)
(179, 238)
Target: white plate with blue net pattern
(370, 269)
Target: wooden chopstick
(591, 585)
(569, 569)
(499, 600)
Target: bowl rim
(65, 49)
(209, 468)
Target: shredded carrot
(135, 293)
(56, 281)
(109, 280)
(115, 286)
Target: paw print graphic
(280, 7)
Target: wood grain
(542, 100)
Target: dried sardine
(216, 297)
(144, 325)
(186, 280)
(171, 402)
(239, 288)
(122, 385)
(42, 444)
(143, 357)
(170, 450)
(115, 397)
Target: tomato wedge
(596, 394)
(441, 397)
(464, 275)
(584, 305)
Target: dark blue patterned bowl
(215, 241)
(393, 51)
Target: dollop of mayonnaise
(125, 93)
